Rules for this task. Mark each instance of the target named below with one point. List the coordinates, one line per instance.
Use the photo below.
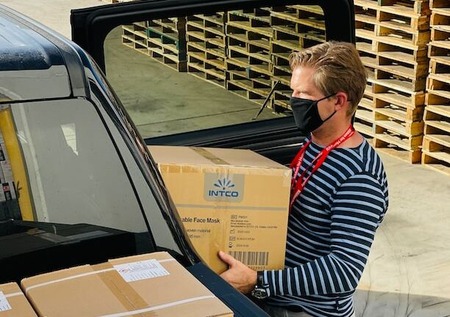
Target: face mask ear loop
(329, 116)
(317, 102)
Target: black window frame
(90, 26)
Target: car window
(188, 73)
(69, 159)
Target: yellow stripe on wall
(17, 164)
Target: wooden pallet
(393, 90)
(389, 147)
(300, 18)
(437, 119)
(400, 7)
(391, 37)
(210, 69)
(160, 47)
(365, 116)
(436, 143)
(248, 80)
(206, 52)
(210, 25)
(164, 40)
(439, 4)
(243, 88)
(210, 39)
(365, 21)
(135, 36)
(392, 129)
(393, 28)
(391, 115)
(283, 74)
(257, 21)
(260, 62)
(436, 153)
(248, 41)
(280, 100)
(167, 59)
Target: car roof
(26, 45)
(21, 48)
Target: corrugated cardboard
(13, 302)
(232, 200)
(153, 284)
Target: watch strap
(260, 278)
(260, 291)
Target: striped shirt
(330, 231)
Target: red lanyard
(298, 183)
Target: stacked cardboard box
(232, 200)
(13, 302)
(153, 284)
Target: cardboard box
(13, 302)
(153, 284)
(232, 200)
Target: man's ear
(341, 100)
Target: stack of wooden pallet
(392, 38)
(206, 47)
(436, 141)
(161, 39)
(249, 67)
(244, 51)
(294, 28)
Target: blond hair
(338, 67)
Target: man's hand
(240, 276)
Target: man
(339, 193)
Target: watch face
(259, 293)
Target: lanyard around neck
(298, 182)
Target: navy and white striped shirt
(331, 229)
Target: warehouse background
(405, 46)
(408, 268)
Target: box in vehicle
(30, 248)
(229, 199)
(13, 302)
(152, 284)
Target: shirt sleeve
(358, 208)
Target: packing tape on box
(29, 288)
(109, 268)
(4, 303)
(13, 294)
(209, 156)
(122, 290)
(154, 308)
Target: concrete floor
(408, 273)
(165, 102)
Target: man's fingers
(228, 259)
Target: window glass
(188, 73)
(75, 174)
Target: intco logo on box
(224, 187)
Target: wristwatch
(260, 290)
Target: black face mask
(306, 113)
